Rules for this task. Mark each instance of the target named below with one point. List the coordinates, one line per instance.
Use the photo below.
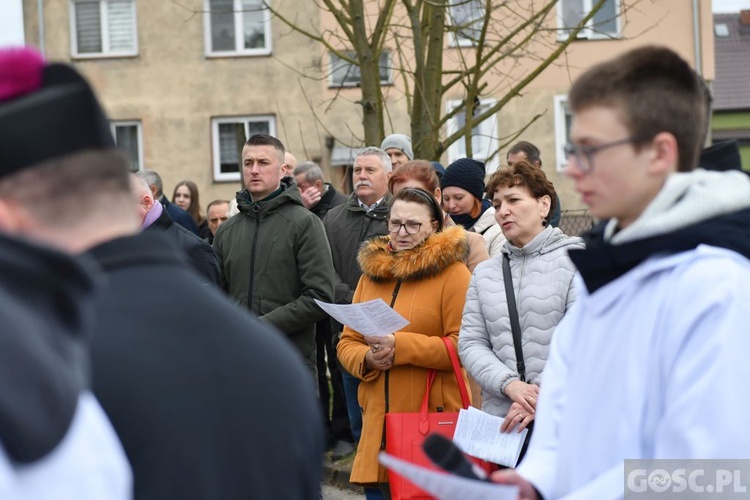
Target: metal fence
(576, 222)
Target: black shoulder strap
(515, 326)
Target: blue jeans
(373, 494)
(351, 386)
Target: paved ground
(331, 492)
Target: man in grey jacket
(363, 217)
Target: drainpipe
(697, 38)
(699, 62)
(40, 9)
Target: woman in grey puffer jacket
(542, 281)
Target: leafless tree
(496, 48)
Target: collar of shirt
(369, 207)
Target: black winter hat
(46, 111)
(467, 174)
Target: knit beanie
(46, 111)
(467, 174)
(398, 141)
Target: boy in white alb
(651, 362)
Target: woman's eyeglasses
(411, 227)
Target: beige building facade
(177, 77)
(683, 25)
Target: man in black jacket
(178, 215)
(55, 439)
(156, 218)
(208, 402)
(361, 218)
(319, 197)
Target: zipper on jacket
(256, 211)
(388, 372)
(365, 228)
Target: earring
(545, 223)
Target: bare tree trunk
(425, 84)
(429, 33)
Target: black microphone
(448, 457)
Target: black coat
(331, 198)
(179, 215)
(347, 227)
(46, 310)
(208, 402)
(200, 255)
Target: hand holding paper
(371, 318)
(478, 434)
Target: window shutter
(88, 27)
(120, 15)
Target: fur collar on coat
(435, 254)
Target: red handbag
(405, 433)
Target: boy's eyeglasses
(584, 155)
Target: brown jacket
(431, 296)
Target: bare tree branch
(493, 44)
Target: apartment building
(683, 25)
(177, 77)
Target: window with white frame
(129, 141)
(563, 119)
(604, 24)
(237, 27)
(103, 28)
(345, 74)
(466, 18)
(226, 144)
(484, 136)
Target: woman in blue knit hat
(462, 186)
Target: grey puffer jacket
(543, 283)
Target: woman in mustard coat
(419, 269)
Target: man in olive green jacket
(274, 255)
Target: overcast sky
(730, 5)
(11, 18)
(11, 23)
